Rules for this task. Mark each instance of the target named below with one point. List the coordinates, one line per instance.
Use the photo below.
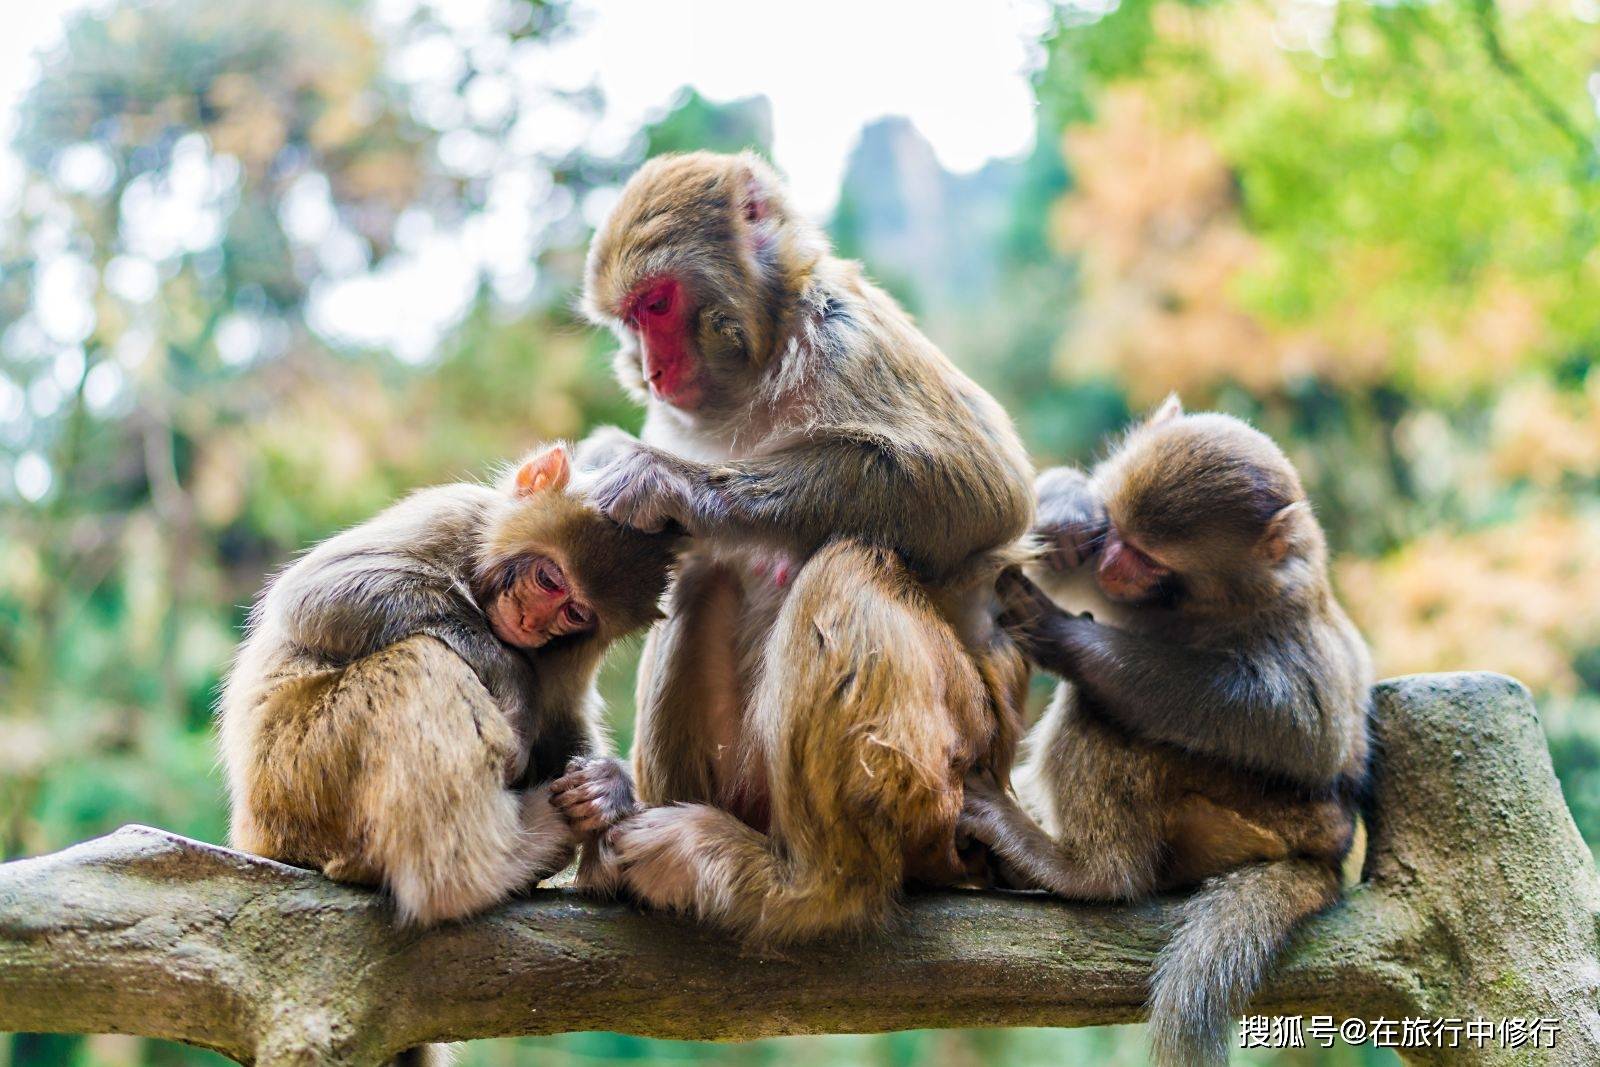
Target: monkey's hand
(1035, 622)
(1072, 522)
(594, 795)
(604, 446)
(645, 488)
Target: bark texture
(1480, 899)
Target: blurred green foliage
(1369, 227)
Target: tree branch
(1488, 19)
(1481, 899)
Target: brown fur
(829, 669)
(373, 727)
(1214, 735)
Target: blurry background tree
(269, 265)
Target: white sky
(956, 68)
(24, 27)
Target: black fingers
(1023, 603)
(1072, 521)
(1033, 620)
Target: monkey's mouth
(672, 384)
(517, 627)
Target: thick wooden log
(1480, 900)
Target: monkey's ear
(1282, 531)
(1170, 409)
(758, 188)
(550, 469)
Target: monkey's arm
(688, 694)
(351, 605)
(936, 510)
(1032, 859)
(1029, 858)
(1257, 709)
(603, 446)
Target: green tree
(1372, 228)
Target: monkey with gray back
(407, 689)
(1211, 728)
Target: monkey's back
(926, 405)
(290, 665)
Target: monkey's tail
(1229, 934)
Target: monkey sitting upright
(406, 686)
(830, 667)
(1212, 728)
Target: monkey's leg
(1119, 870)
(431, 817)
(687, 724)
(1105, 802)
(861, 756)
(688, 691)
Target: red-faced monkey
(408, 688)
(829, 668)
(1212, 726)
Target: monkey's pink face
(1126, 572)
(659, 314)
(539, 605)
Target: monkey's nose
(536, 617)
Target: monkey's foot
(594, 795)
(599, 874)
(662, 851)
(548, 841)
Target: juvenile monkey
(1212, 726)
(829, 669)
(406, 686)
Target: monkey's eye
(1150, 562)
(549, 577)
(577, 615)
(656, 300)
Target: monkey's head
(693, 269)
(1204, 511)
(551, 569)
